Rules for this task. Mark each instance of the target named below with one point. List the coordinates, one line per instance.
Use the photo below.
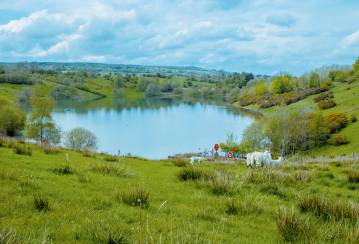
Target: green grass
(96, 202)
(346, 97)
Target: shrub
(353, 118)
(89, 154)
(138, 197)
(23, 149)
(193, 173)
(221, 185)
(353, 177)
(243, 207)
(114, 170)
(66, 170)
(336, 121)
(179, 162)
(81, 139)
(329, 209)
(293, 227)
(326, 104)
(323, 96)
(41, 203)
(111, 158)
(273, 190)
(48, 149)
(338, 139)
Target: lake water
(154, 132)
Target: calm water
(158, 132)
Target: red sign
(216, 147)
(229, 154)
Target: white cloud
(350, 40)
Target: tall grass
(329, 208)
(137, 197)
(41, 203)
(269, 175)
(294, 227)
(113, 170)
(194, 173)
(353, 176)
(222, 184)
(22, 149)
(245, 206)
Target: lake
(157, 131)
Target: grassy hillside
(347, 100)
(83, 199)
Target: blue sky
(259, 36)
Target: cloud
(258, 36)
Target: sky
(259, 36)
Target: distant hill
(122, 68)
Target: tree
(12, 118)
(81, 139)
(281, 84)
(260, 88)
(152, 90)
(314, 80)
(41, 127)
(252, 138)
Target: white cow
(196, 159)
(261, 159)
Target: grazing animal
(261, 159)
(196, 159)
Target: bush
(353, 118)
(23, 149)
(89, 154)
(243, 207)
(338, 139)
(273, 190)
(48, 149)
(81, 139)
(179, 162)
(221, 185)
(353, 177)
(111, 158)
(138, 197)
(329, 209)
(193, 173)
(336, 121)
(41, 204)
(66, 170)
(293, 227)
(113, 170)
(326, 104)
(323, 96)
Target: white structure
(261, 159)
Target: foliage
(323, 96)
(281, 84)
(338, 139)
(336, 121)
(41, 203)
(193, 173)
(293, 227)
(179, 162)
(41, 126)
(152, 90)
(22, 148)
(12, 120)
(326, 104)
(328, 208)
(137, 197)
(80, 139)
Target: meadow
(63, 196)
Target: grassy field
(347, 100)
(71, 197)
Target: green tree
(260, 88)
(80, 139)
(281, 84)
(41, 127)
(314, 80)
(12, 118)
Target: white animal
(261, 159)
(196, 159)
